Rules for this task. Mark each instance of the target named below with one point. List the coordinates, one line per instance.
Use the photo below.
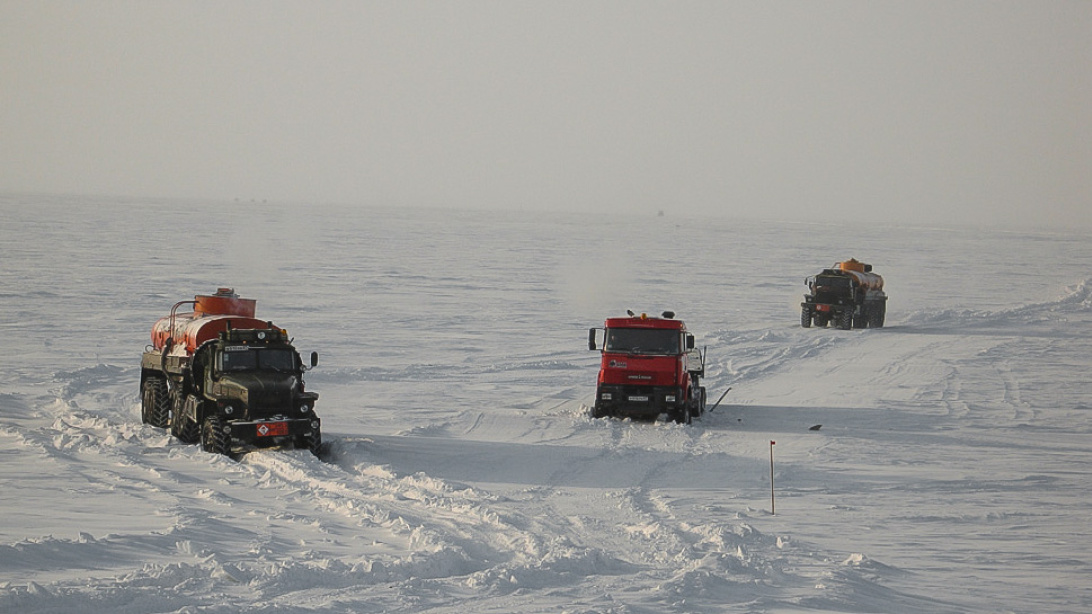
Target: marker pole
(773, 511)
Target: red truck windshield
(643, 341)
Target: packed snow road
(949, 472)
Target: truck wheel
(188, 431)
(845, 320)
(861, 321)
(147, 401)
(696, 405)
(154, 404)
(175, 401)
(682, 414)
(182, 427)
(312, 442)
(879, 317)
(805, 317)
(213, 438)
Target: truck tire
(312, 442)
(845, 320)
(147, 400)
(182, 427)
(188, 432)
(213, 438)
(154, 404)
(805, 317)
(696, 405)
(821, 320)
(879, 316)
(682, 414)
(861, 321)
(175, 398)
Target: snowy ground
(952, 472)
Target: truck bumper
(826, 308)
(637, 401)
(271, 432)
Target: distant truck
(221, 377)
(648, 367)
(848, 295)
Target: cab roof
(643, 321)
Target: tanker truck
(847, 295)
(219, 376)
(648, 367)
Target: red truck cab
(648, 367)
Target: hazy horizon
(973, 113)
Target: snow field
(950, 473)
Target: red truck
(649, 367)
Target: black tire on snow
(845, 320)
(695, 404)
(154, 404)
(312, 442)
(879, 316)
(805, 317)
(213, 438)
(175, 399)
(189, 432)
(147, 401)
(821, 321)
(682, 414)
(182, 427)
(861, 321)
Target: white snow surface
(952, 471)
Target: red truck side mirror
(690, 342)
(591, 338)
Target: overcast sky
(918, 112)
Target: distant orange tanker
(862, 272)
(848, 295)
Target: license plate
(641, 399)
(272, 429)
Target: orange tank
(224, 302)
(862, 272)
(211, 315)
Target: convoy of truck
(221, 377)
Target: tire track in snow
(478, 535)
